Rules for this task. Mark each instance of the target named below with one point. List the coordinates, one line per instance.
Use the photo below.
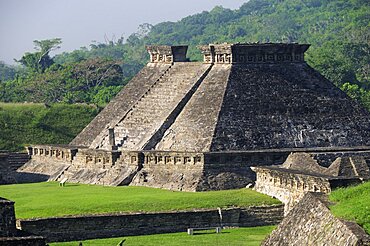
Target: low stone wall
(9, 235)
(22, 240)
(7, 218)
(288, 187)
(118, 225)
(310, 222)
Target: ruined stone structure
(9, 235)
(73, 228)
(9, 163)
(301, 174)
(311, 223)
(201, 125)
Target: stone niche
(61, 153)
(253, 53)
(167, 54)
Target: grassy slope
(353, 203)
(48, 199)
(241, 236)
(31, 123)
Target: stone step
(158, 102)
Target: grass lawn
(353, 203)
(240, 236)
(48, 199)
(33, 123)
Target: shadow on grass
(70, 185)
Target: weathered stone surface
(257, 106)
(118, 225)
(300, 174)
(251, 53)
(286, 106)
(48, 163)
(23, 239)
(247, 104)
(122, 103)
(135, 129)
(7, 218)
(9, 163)
(9, 235)
(194, 127)
(167, 54)
(350, 166)
(310, 222)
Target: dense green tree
(40, 60)
(7, 72)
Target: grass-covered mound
(31, 123)
(353, 203)
(242, 236)
(48, 199)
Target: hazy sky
(78, 22)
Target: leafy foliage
(40, 60)
(77, 78)
(22, 124)
(8, 72)
(338, 31)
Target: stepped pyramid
(200, 125)
(252, 96)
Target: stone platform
(198, 126)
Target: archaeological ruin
(253, 114)
(196, 126)
(301, 174)
(9, 234)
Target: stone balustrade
(54, 152)
(94, 158)
(166, 53)
(289, 185)
(152, 158)
(294, 182)
(132, 158)
(253, 53)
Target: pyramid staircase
(153, 109)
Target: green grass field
(34, 123)
(48, 199)
(251, 236)
(353, 203)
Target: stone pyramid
(242, 97)
(200, 125)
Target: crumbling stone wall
(9, 235)
(301, 173)
(118, 225)
(197, 171)
(310, 222)
(289, 187)
(7, 218)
